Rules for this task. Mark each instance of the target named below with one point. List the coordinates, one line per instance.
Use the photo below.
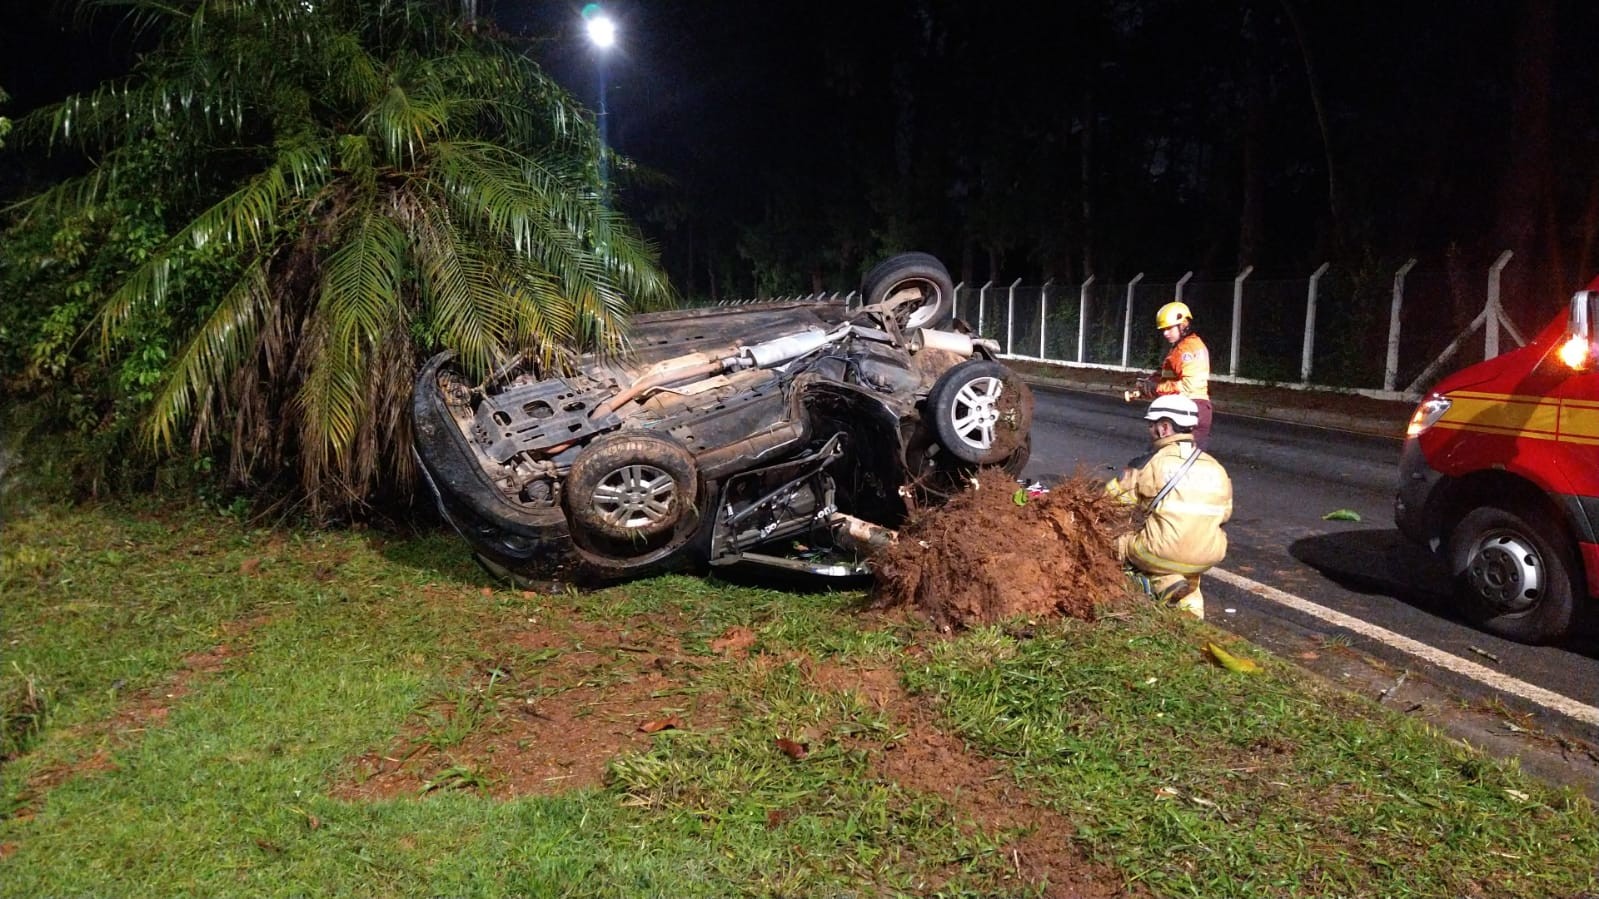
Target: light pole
(601, 30)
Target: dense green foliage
(289, 204)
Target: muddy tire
(1513, 579)
(631, 487)
(1018, 460)
(918, 278)
(981, 412)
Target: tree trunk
(1314, 86)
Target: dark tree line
(1108, 137)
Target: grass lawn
(194, 707)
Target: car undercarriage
(791, 435)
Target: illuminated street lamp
(601, 30)
(601, 27)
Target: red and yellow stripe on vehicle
(1528, 416)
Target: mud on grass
(543, 713)
(749, 731)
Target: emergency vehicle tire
(1513, 580)
(918, 278)
(981, 411)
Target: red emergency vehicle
(1500, 476)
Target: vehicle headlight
(1427, 414)
(1575, 352)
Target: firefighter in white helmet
(1183, 497)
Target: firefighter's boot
(1180, 590)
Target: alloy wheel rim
(975, 411)
(635, 496)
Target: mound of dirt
(985, 556)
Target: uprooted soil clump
(995, 552)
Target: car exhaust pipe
(859, 534)
(929, 339)
(782, 349)
(672, 371)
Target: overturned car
(794, 435)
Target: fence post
(1390, 371)
(1177, 296)
(956, 303)
(1238, 317)
(1127, 321)
(1010, 318)
(1043, 316)
(1082, 318)
(1310, 324)
(1490, 341)
(982, 302)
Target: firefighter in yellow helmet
(1183, 497)
(1186, 368)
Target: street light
(601, 30)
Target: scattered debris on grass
(1229, 661)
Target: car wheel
(909, 276)
(1514, 581)
(631, 487)
(981, 412)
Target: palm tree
(377, 181)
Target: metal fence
(1382, 333)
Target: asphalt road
(1286, 479)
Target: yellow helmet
(1172, 314)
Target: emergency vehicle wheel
(1514, 581)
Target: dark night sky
(751, 106)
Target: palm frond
(539, 214)
(530, 108)
(219, 346)
(465, 299)
(360, 291)
(405, 122)
(357, 77)
(327, 407)
(239, 221)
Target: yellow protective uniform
(1182, 537)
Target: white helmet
(1179, 410)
